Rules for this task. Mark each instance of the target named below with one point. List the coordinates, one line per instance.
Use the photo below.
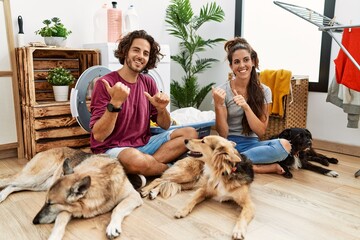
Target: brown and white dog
(225, 175)
(79, 185)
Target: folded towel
(279, 83)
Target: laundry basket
(295, 109)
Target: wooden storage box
(46, 123)
(295, 109)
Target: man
(122, 104)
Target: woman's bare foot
(268, 168)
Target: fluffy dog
(183, 175)
(217, 170)
(82, 185)
(302, 152)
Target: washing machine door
(82, 92)
(157, 78)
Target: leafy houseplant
(53, 29)
(184, 25)
(60, 78)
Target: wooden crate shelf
(46, 123)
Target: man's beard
(129, 64)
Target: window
(284, 40)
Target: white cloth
(189, 115)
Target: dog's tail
(169, 189)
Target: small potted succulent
(54, 32)
(60, 78)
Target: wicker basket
(295, 109)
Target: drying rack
(324, 23)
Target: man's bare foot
(268, 168)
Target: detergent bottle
(131, 19)
(114, 23)
(100, 25)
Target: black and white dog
(302, 153)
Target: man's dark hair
(125, 44)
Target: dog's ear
(309, 133)
(79, 189)
(286, 134)
(67, 169)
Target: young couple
(124, 101)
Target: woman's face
(241, 64)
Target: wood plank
(81, 142)
(56, 122)
(336, 147)
(60, 133)
(48, 63)
(51, 110)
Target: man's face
(138, 55)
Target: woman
(242, 110)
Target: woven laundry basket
(295, 109)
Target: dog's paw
(238, 234)
(182, 213)
(332, 174)
(154, 193)
(287, 175)
(333, 160)
(113, 230)
(144, 193)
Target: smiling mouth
(194, 154)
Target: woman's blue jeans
(260, 152)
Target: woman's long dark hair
(125, 44)
(255, 93)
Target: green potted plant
(60, 78)
(183, 24)
(54, 32)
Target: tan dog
(183, 175)
(83, 185)
(226, 175)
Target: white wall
(78, 17)
(326, 121)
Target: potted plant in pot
(183, 24)
(54, 32)
(60, 78)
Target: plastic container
(100, 25)
(203, 128)
(107, 24)
(131, 19)
(114, 23)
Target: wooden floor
(309, 206)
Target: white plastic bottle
(100, 25)
(131, 19)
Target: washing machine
(83, 88)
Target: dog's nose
(186, 141)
